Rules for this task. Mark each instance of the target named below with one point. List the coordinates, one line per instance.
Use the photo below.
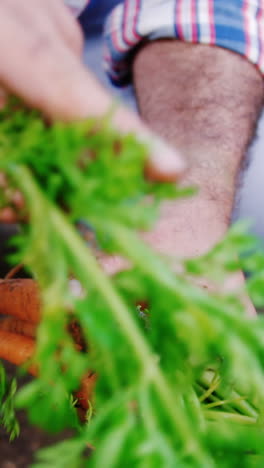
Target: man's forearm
(206, 101)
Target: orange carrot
(14, 271)
(16, 349)
(21, 327)
(20, 298)
(85, 392)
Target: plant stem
(234, 399)
(89, 272)
(238, 418)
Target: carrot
(76, 333)
(16, 349)
(85, 392)
(20, 298)
(21, 327)
(14, 271)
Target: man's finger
(66, 25)
(55, 81)
(165, 163)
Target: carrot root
(16, 349)
(21, 327)
(14, 271)
(20, 298)
(84, 394)
(19, 349)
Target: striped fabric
(237, 25)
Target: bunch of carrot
(21, 310)
(21, 303)
(179, 386)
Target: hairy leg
(205, 100)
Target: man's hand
(40, 51)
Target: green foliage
(7, 400)
(179, 385)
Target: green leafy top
(185, 390)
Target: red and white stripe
(179, 19)
(205, 19)
(260, 20)
(186, 19)
(194, 29)
(131, 12)
(117, 30)
(250, 10)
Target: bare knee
(184, 87)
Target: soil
(20, 453)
